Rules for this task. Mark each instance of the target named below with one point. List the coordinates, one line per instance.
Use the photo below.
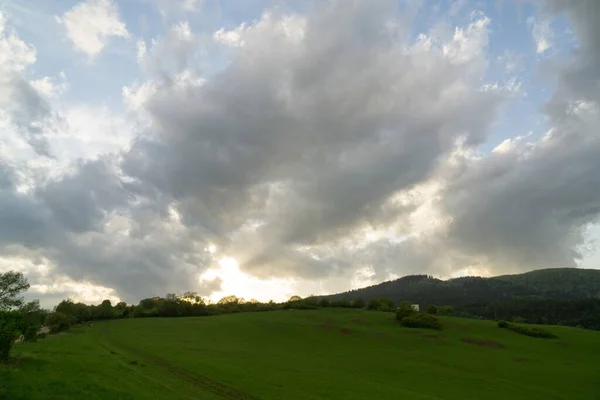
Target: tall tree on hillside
(12, 284)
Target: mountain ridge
(549, 283)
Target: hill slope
(559, 283)
(317, 354)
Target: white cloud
(511, 87)
(48, 87)
(141, 50)
(15, 54)
(136, 96)
(90, 24)
(232, 37)
(91, 132)
(170, 53)
(468, 43)
(542, 33)
(291, 27)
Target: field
(313, 354)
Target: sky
(274, 148)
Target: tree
(148, 304)
(57, 322)
(445, 310)
(31, 333)
(9, 324)
(230, 300)
(374, 304)
(432, 309)
(358, 303)
(405, 310)
(294, 298)
(12, 284)
(105, 310)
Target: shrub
(527, 331)
(358, 303)
(404, 311)
(31, 333)
(427, 321)
(324, 303)
(41, 336)
(7, 338)
(381, 304)
(432, 309)
(374, 304)
(58, 322)
(445, 310)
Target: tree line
(496, 299)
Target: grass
(313, 354)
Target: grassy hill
(556, 283)
(313, 354)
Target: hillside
(559, 283)
(295, 355)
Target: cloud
(528, 205)
(15, 55)
(24, 114)
(91, 23)
(331, 148)
(311, 137)
(542, 33)
(170, 53)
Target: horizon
(209, 300)
(274, 148)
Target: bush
(7, 338)
(445, 310)
(381, 304)
(527, 331)
(427, 321)
(58, 322)
(404, 311)
(324, 303)
(374, 304)
(358, 303)
(41, 336)
(31, 333)
(432, 309)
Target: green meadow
(311, 354)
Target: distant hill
(556, 283)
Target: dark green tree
(358, 303)
(58, 322)
(405, 310)
(374, 304)
(12, 285)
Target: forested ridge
(569, 296)
(557, 283)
